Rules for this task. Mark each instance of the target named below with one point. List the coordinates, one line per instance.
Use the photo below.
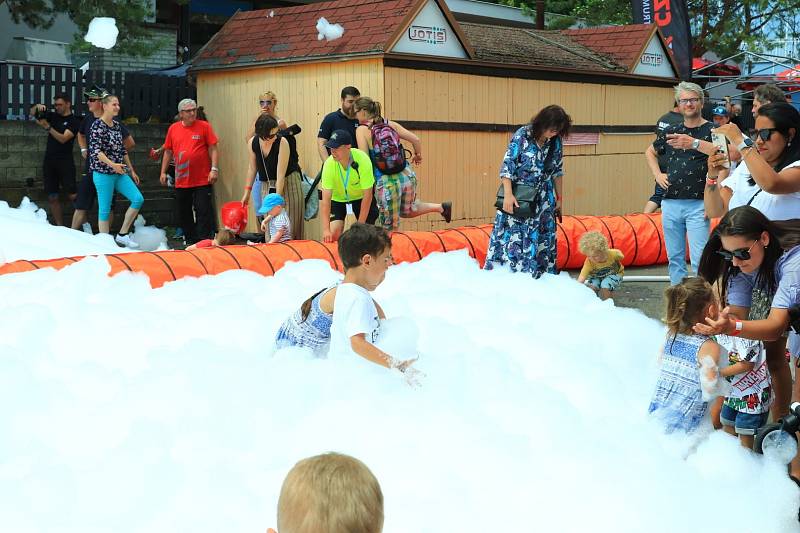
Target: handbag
(525, 195)
(310, 195)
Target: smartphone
(721, 142)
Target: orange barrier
(638, 236)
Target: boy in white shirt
(366, 253)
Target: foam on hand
(102, 32)
(712, 383)
(328, 31)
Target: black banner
(672, 18)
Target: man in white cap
(193, 144)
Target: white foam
(102, 32)
(328, 31)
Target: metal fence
(149, 97)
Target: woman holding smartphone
(768, 177)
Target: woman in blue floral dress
(534, 157)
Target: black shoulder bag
(525, 194)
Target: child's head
(369, 248)
(224, 237)
(688, 303)
(272, 204)
(593, 245)
(330, 493)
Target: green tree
(134, 37)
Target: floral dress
(528, 244)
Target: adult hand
(509, 203)
(680, 140)
(212, 177)
(732, 132)
(119, 168)
(417, 159)
(558, 214)
(43, 123)
(662, 179)
(714, 326)
(716, 163)
(163, 179)
(135, 177)
(327, 235)
(246, 197)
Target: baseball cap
(339, 138)
(719, 110)
(269, 202)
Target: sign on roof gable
(430, 34)
(654, 61)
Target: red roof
(622, 43)
(257, 37)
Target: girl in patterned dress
(678, 399)
(534, 157)
(309, 326)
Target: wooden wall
(608, 178)
(306, 93)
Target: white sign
(430, 34)
(654, 61)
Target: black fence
(148, 97)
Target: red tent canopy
(721, 69)
(790, 74)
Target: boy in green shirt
(347, 179)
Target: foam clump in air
(328, 31)
(103, 32)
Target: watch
(747, 142)
(695, 144)
(214, 169)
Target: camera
(40, 114)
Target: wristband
(248, 188)
(84, 150)
(558, 197)
(737, 329)
(710, 181)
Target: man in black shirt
(87, 193)
(59, 167)
(341, 119)
(686, 147)
(671, 118)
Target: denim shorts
(742, 423)
(610, 282)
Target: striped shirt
(281, 222)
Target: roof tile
(623, 43)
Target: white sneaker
(126, 241)
(87, 228)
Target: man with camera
(58, 169)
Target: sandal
(447, 211)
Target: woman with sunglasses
(267, 103)
(769, 176)
(275, 161)
(756, 265)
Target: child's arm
(370, 352)
(585, 271)
(278, 235)
(741, 367)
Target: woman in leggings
(112, 170)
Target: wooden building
(462, 87)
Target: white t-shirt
(751, 392)
(774, 206)
(354, 312)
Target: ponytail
(305, 309)
(369, 105)
(686, 303)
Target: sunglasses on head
(742, 253)
(766, 133)
(265, 102)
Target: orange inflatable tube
(638, 236)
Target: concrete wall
(22, 146)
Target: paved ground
(647, 296)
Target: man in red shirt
(193, 144)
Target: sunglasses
(742, 253)
(765, 133)
(265, 103)
(92, 99)
(193, 110)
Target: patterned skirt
(524, 244)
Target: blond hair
(369, 105)
(592, 242)
(330, 493)
(268, 95)
(686, 303)
(688, 87)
